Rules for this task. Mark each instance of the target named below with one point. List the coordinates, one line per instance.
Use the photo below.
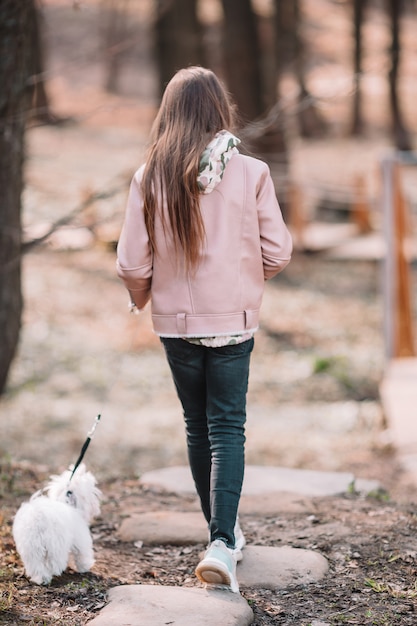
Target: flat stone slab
(142, 605)
(264, 567)
(164, 528)
(188, 528)
(398, 391)
(261, 479)
(275, 504)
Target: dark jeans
(212, 384)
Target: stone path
(262, 566)
(146, 605)
(260, 480)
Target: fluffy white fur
(50, 529)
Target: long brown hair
(195, 106)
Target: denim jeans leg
(212, 385)
(227, 374)
(187, 364)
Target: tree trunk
(114, 33)
(290, 54)
(310, 121)
(401, 134)
(178, 38)
(284, 34)
(16, 40)
(242, 58)
(40, 104)
(358, 12)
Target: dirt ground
(313, 400)
(370, 544)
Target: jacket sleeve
(134, 255)
(276, 242)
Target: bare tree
(401, 134)
(40, 104)
(358, 16)
(178, 38)
(241, 52)
(16, 40)
(290, 52)
(114, 34)
(395, 9)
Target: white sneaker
(240, 541)
(218, 567)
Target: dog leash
(90, 435)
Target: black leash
(85, 446)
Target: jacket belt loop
(246, 314)
(182, 323)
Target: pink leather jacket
(247, 242)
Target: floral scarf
(214, 159)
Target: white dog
(49, 529)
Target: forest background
(323, 89)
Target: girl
(203, 230)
